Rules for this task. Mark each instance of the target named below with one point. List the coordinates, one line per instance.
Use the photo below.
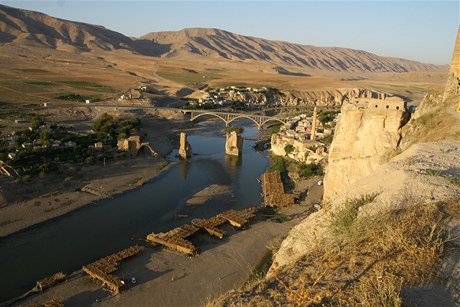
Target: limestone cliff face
(367, 134)
(401, 182)
(335, 97)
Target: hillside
(33, 29)
(221, 44)
(27, 28)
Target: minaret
(313, 126)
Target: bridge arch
(209, 113)
(271, 120)
(228, 118)
(247, 117)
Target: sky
(418, 30)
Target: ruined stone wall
(366, 136)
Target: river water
(95, 231)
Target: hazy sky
(418, 30)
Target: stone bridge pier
(234, 144)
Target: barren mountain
(222, 44)
(27, 28)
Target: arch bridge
(228, 118)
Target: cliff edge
(388, 230)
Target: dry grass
(395, 250)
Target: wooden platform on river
(273, 191)
(177, 238)
(102, 269)
(48, 282)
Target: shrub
(277, 165)
(288, 149)
(238, 129)
(308, 170)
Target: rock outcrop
(335, 97)
(302, 151)
(185, 150)
(367, 135)
(233, 144)
(403, 181)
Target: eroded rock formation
(234, 144)
(335, 97)
(185, 150)
(367, 135)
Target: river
(95, 231)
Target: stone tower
(185, 150)
(313, 126)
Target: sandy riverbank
(168, 278)
(208, 193)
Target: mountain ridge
(29, 28)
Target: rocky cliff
(367, 135)
(335, 97)
(414, 197)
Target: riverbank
(168, 278)
(43, 199)
(63, 197)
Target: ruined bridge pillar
(234, 144)
(185, 150)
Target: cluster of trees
(40, 156)
(109, 128)
(327, 116)
(34, 120)
(77, 97)
(308, 170)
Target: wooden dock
(177, 238)
(102, 268)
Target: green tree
(288, 149)
(237, 129)
(308, 170)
